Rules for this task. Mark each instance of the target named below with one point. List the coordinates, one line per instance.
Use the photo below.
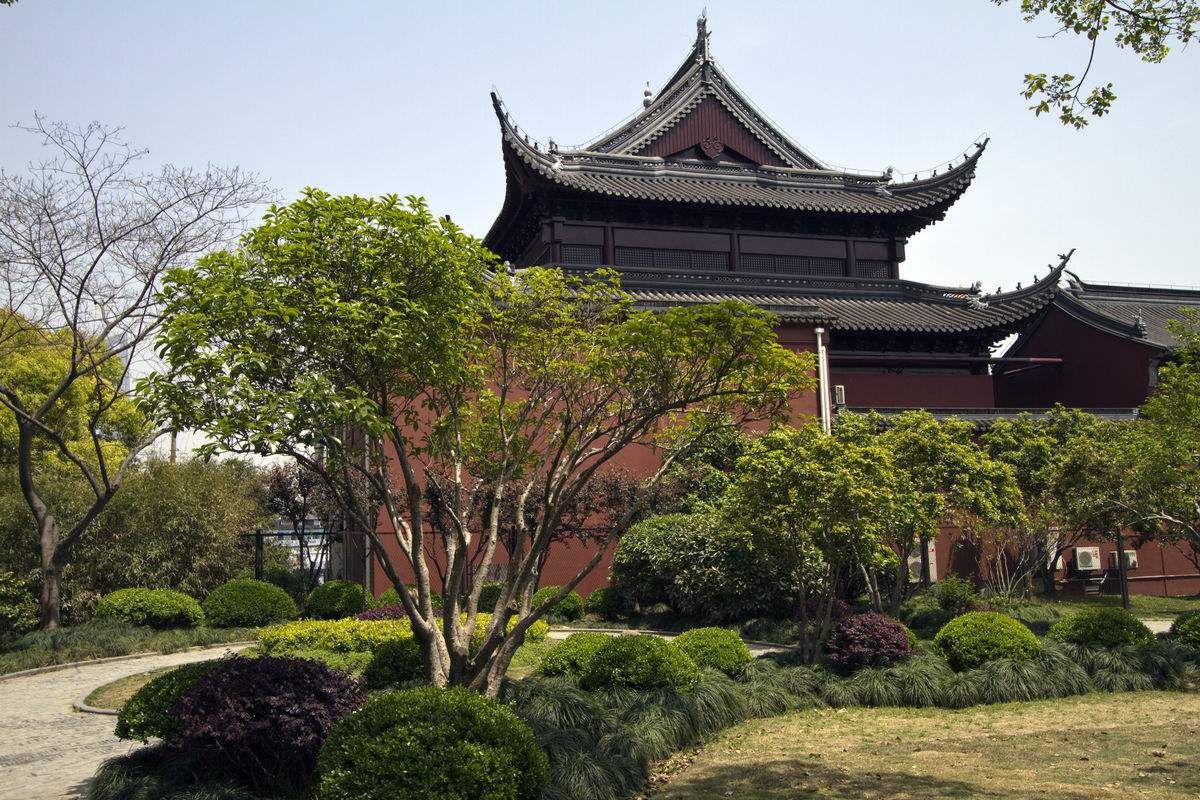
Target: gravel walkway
(47, 749)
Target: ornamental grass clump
(154, 608)
(1104, 627)
(716, 648)
(640, 662)
(264, 719)
(572, 655)
(977, 637)
(151, 710)
(435, 743)
(869, 640)
(569, 608)
(337, 599)
(247, 603)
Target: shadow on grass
(781, 779)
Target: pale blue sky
(378, 97)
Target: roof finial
(1139, 324)
(702, 35)
(647, 95)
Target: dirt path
(47, 749)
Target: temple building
(700, 198)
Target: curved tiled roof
(850, 304)
(731, 184)
(1140, 313)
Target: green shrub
(339, 636)
(392, 664)
(489, 595)
(1186, 629)
(18, 609)
(955, 594)
(981, 636)
(392, 597)
(345, 663)
(336, 600)
(151, 710)
(1108, 627)
(155, 608)
(570, 607)
(572, 655)
(605, 603)
(716, 648)
(701, 568)
(640, 662)
(246, 603)
(451, 744)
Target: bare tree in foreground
(84, 239)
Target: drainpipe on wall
(824, 408)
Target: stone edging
(110, 659)
(80, 705)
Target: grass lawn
(1127, 745)
(1141, 605)
(102, 639)
(114, 695)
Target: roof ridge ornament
(702, 34)
(647, 96)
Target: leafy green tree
(175, 526)
(1147, 27)
(1166, 442)
(821, 502)
(943, 476)
(84, 239)
(395, 346)
(1034, 448)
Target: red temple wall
(1099, 370)
(914, 389)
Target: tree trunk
(1123, 576)
(925, 577)
(50, 608)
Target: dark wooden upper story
(700, 180)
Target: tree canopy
(392, 344)
(1147, 27)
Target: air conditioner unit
(839, 395)
(1130, 559)
(1087, 559)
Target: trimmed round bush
(394, 663)
(869, 640)
(451, 744)
(570, 607)
(1107, 627)
(156, 608)
(18, 609)
(336, 600)
(1186, 629)
(573, 654)
(266, 717)
(956, 595)
(981, 636)
(640, 662)
(489, 595)
(716, 648)
(151, 710)
(605, 603)
(247, 603)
